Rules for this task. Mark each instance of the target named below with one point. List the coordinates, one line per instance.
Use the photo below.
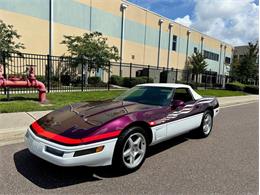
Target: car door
(184, 118)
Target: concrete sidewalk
(14, 125)
(229, 101)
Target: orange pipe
(28, 83)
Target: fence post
(148, 73)
(108, 81)
(176, 76)
(4, 64)
(48, 72)
(187, 79)
(206, 78)
(210, 79)
(130, 75)
(82, 74)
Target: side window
(183, 94)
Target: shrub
(251, 89)
(65, 80)
(76, 81)
(55, 84)
(94, 80)
(217, 85)
(116, 80)
(100, 84)
(127, 82)
(41, 78)
(235, 86)
(195, 85)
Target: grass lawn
(29, 102)
(220, 93)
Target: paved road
(225, 163)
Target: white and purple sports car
(118, 132)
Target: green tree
(246, 68)
(93, 47)
(8, 41)
(197, 64)
(234, 69)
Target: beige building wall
(35, 34)
(34, 31)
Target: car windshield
(160, 96)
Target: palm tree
(198, 64)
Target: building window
(195, 49)
(227, 60)
(174, 42)
(211, 56)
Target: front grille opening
(54, 151)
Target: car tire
(206, 124)
(130, 150)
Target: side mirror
(177, 103)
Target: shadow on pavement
(49, 176)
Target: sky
(233, 21)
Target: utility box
(152, 73)
(138, 73)
(167, 76)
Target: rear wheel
(206, 124)
(130, 149)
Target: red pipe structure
(29, 82)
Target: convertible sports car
(118, 132)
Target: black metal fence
(58, 73)
(62, 74)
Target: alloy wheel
(134, 150)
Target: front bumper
(64, 155)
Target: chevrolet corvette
(118, 132)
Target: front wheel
(130, 149)
(206, 124)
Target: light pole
(224, 61)
(219, 67)
(169, 45)
(123, 8)
(159, 42)
(187, 48)
(187, 52)
(90, 16)
(201, 46)
(50, 27)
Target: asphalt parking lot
(226, 162)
